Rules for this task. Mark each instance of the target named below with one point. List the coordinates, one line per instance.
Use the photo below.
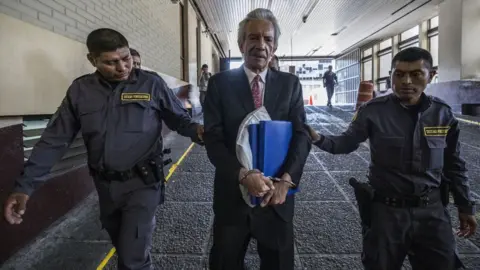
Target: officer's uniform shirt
(410, 147)
(121, 124)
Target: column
(395, 42)
(423, 35)
(376, 65)
(459, 35)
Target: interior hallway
(327, 226)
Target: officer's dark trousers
(425, 234)
(274, 242)
(330, 91)
(127, 212)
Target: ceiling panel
(353, 20)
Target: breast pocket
(389, 151)
(435, 153)
(136, 116)
(91, 117)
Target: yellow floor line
(174, 166)
(170, 173)
(469, 121)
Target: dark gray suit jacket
(228, 101)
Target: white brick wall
(151, 26)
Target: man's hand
(15, 207)
(468, 225)
(313, 134)
(279, 194)
(256, 183)
(200, 132)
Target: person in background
(329, 82)
(232, 95)
(137, 60)
(274, 63)
(203, 83)
(415, 163)
(389, 81)
(112, 108)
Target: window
(367, 71)
(414, 44)
(367, 52)
(433, 22)
(235, 64)
(382, 85)
(348, 73)
(433, 48)
(385, 64)
(386, 44)
(410, 33)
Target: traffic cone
(310, 102)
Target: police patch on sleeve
(435, 131)
(135, 97)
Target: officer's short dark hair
(204, 66)
(134, 52)
(105, 40)
(413, 54)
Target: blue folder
(270, 142)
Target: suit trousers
(424, 234)
(127, 213)
(274, 241)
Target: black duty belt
(115, 175)
(429, 198)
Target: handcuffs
(273, 179)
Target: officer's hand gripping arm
(300, 145)
(214, 137)
(455, 171)
(349, 140)
(174, 115)
(54, 142)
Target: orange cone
(310, 102)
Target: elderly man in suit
(231, 96)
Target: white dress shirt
(261, 83)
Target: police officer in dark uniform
(414, 143)
(119, 111)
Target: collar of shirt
(251, 75)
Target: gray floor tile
(182, 228)
(350, 162)
(317, 186)
(327, 228)
(196, 163)
(190, 187)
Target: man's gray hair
(258, 14)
